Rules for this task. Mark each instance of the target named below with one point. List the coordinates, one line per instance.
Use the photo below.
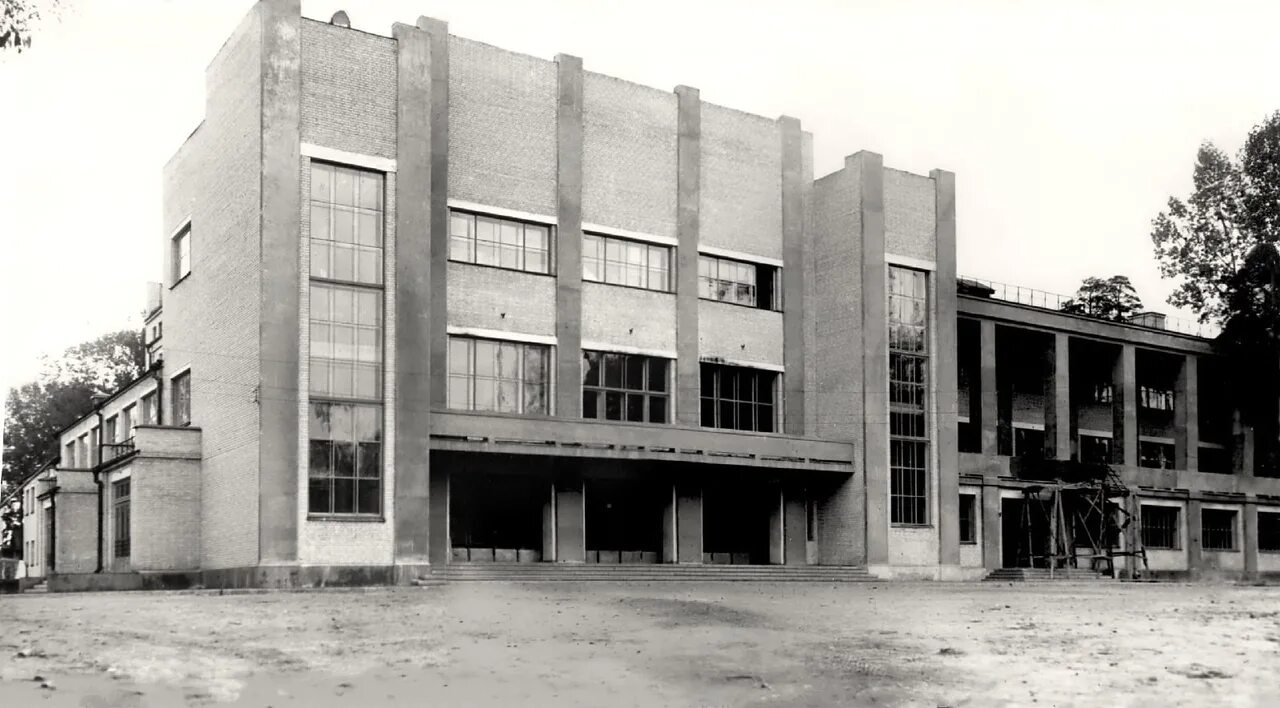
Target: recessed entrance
(736, 521)
(497, 517)
(624, 519)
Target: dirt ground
(661, 644)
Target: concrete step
(649, 572)
(1043, 575)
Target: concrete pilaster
(569, 237)
(1057, 399)
(688, 198)
(549, 524)
(1195, 559)
(669, 538)
(439, 544)
(875, 373)
(795, 527)
(988, 414)
(571, 522)
(1124, 407)
(688, 523)
(1249, 542)
(777, 530)
(991, 559)
(281, 301)
(438, 131)
(414, 284)
(793, 286)
(1186, 401)
(946, 378)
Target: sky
(1068, 125)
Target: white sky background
(1068, 127)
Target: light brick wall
(348, 89)
(628, 317)
(739, 333)
(348, 542)
(741, 198)
(493, 298)
(629, 156)
(909, 206)
(165, 500)
(212, 317)
(915, 546)
(502, 127)
(129, 397)
(76, 508)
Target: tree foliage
(1105, 298)
(17, 17)
(35, 411)
(1234, 205)
(11, 528)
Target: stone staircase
(1033, 575)
(627, 572)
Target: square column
(571, 522)
(777, 532)
(1124, 407)
(991, 559)
(795, 529)
(1249, 542)
(1186, 434)
(688, 523)
(988, 415)
(1194, 556)
(1058, 424)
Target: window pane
(613, 406)
(344, 458)
(485, 395)
(509, 396)
(369, 493)
(657, 409)
(320, 458)
(535, 399)
(459, 355)
(343, 305)
(634, 368)
(590, 404)
(459, 393)
(369, 229)
(319, 491)
(635, 407)
(320, 223)
(321, 182)
(591, 369)
(613, 364)
(370, 462)
(344, 187)
(321, 340)
(344, 493)
(368, 423)
(321, 426)
(657, 374)
(370, 190)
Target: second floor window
(181, 391)
(505, 243)
(150, 415)
(109, 431)
(739, 282)
(508, 377)
(346, 224)
(620, 262)
(128, 420)
(1155, 399)
(739, 398)
(627, 387)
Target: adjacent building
(430, 302)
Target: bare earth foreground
(492, 644)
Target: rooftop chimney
(1154, 320)
(340, 19)
(155, 296)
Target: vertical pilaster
(946, 378)
(438, 37)
(569, 237)
(875, 373)
(688, 198)
(669, 538)
(1249, 533)
(688, 523)
(571, 522)
(549, 524)
(795, 527)
(989, 414)
(1057, 399)
(281, 301)
(414, 283)
(1124, 407)
(793, 270)
(1186, 401)
(1195, 557)
(991, 559)
(777, 529)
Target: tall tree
(1105, 298)
(1234, 205)
(17, 18)
(35, 411)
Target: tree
(17, 17)
(1105, 298)
(1234, 206)
(11, 528)
(35, 411)
(1250, 340)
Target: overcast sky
(1067, 127)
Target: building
(430, 302)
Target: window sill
(179, 281)
(910, 526)
(738, 304)
(968, 543)
(346, 283)
(355, 518)
(1219, 550)
(629, 287)
(504, 268)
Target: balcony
(114, 451)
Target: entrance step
(42, 586)
(627, 572)
(1042, 575)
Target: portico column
(1057, 399)
(988, 415)
(1124, 407)
(1187, 416)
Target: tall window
(346, 341)
(120, 517)
(624, 387)
(128, 419)
(150, 414)
(489, 375)
(345, 459)
(505, 243)
(82, 450)
(750, 284)
(109, 430)
(346, 224)
(1160, 527)
(968, 518)
(908, 385)
(181, 393)
(621, 262)
(1268, 531)
(739, 398)
(181, 248)
(69, 455)
(1218, 529)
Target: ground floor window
(968, 518)
(909, 481)
(1218, 529)
(345, 459)
(120, 515)
(1160, 527)
(1269, 530)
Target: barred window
(490, 375)
(1160, 527)
(968, 518)
(1268, 531)
(120, 517)
(346, 342)
(181, 390)
(346, 224)
(627, 387)
(1155, 399)
(739, 398)
(621, 262)
(750, 284)
(345, 459)
(494, 241)
(1218, 529)
(908, 388)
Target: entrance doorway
(496, 516)
(736, 520)
(624, 519)
(1024, 535)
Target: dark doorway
(1024, 534)
(735, 521)
(624, 519)
(491, 512)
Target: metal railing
(1043, 299)
(113, 451)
